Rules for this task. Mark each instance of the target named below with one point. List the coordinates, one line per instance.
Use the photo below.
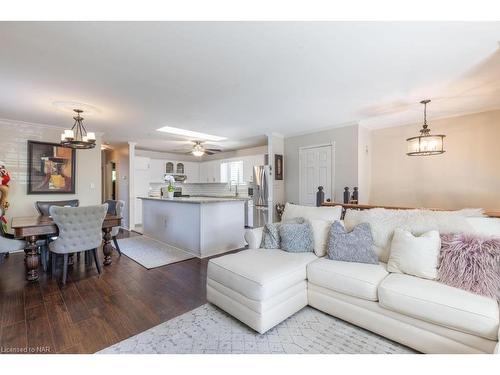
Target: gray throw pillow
(271, 235)
(296, 237)
(354, 246)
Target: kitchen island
(203, 226)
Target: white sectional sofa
(263, 287)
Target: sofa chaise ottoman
(260, 287)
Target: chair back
(80, 228)
(115, 208)
(43, 207)
(7, 245)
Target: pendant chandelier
(425, 144)
(77, 137)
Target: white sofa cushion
(355, 279)
(489, 226)
(259, 274)
(321, 231)
(383, 222)
(254, 237)
(415, 255)
(440, 304)
(311, 213)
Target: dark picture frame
(51, 168)
(278, 167)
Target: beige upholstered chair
(115, 208)
(80, 229)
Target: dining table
(31, 228)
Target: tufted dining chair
(8, 244)
(80, 229)
(115, 208)
(43, 208)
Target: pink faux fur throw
(471, 262)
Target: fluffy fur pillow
(383, 222)
(471, 262)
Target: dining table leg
(31, 258)
(107, 247)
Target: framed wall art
(278, 167)
(51, 168)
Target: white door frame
(332, 145)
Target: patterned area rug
(208, 329)
(151, 253)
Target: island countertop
(196, 199)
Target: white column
(131, 183)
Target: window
(232, 172)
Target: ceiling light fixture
(77, 137)
(198, 150)
(425, 144)
(190, 134)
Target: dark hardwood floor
(92, 312)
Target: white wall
(259, 150)
(466, 175)
(346, 159)
(165, 155)
(121, 157)
(14, 138)
(276, 146)
(364, 165)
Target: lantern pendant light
(425, 144)
(77, 137)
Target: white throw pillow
(321, 229)
(311, 213)
(417, 256)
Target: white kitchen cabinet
(216, 170)
(192, 171)
(157, 170)
(210, 171)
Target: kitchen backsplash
(209, 189)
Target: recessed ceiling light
(190, 134)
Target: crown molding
(9, 122)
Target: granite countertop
(197, 199)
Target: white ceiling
(242, 80)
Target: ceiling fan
(200, 150)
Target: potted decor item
(169, 179)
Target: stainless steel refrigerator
(261, 176)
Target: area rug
(151, 253)
(208, 329)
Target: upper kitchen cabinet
(192, 171)
(210, 171)
(157, 170)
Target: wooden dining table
(31, 228)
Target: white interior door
(315, 170)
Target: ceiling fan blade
(209, 152)
(214, 149)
